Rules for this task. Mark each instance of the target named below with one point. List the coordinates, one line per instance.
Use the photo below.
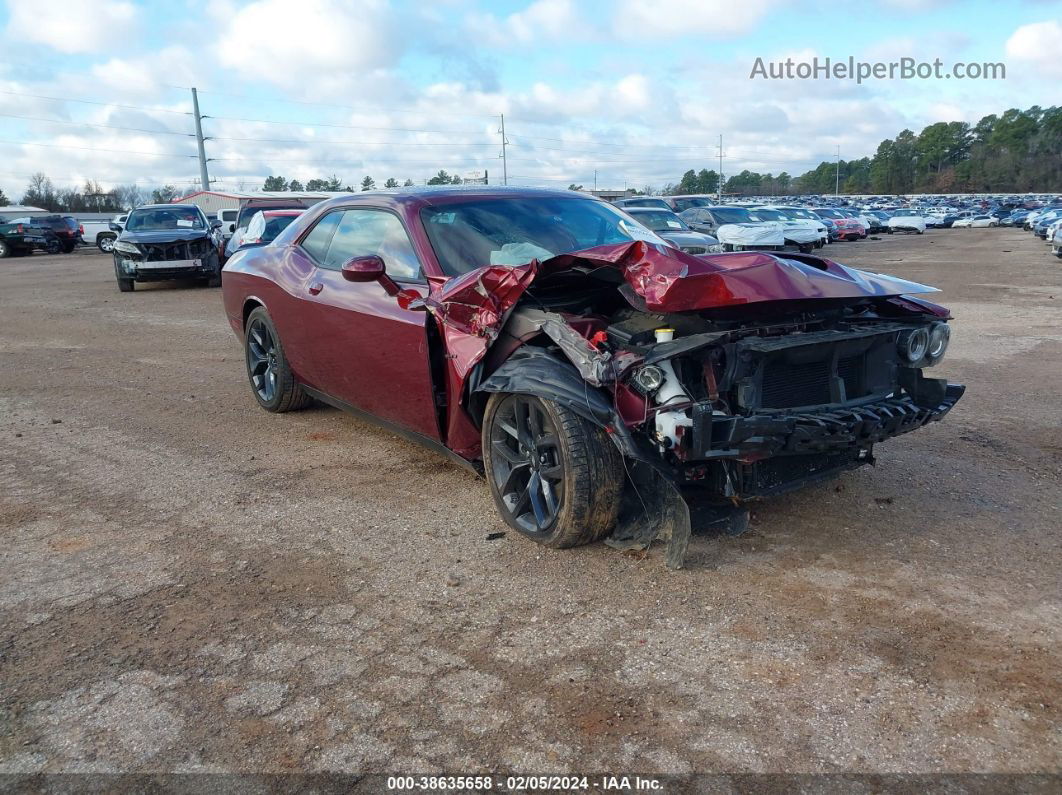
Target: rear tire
(5, 250)
(214, 281)
(272, 382)
(69, 247)
(105, 243)
(555, 476)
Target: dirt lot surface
(191, 584)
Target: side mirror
(215, 224)
(232, 227)
(372, 269)
(365, 269)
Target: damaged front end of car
(732, 376)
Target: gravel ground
(192, 584)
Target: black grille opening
(787, 385)
(851, 371)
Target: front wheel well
(248, 307)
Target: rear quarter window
(318, 240)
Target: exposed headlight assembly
(939, 336)
(913, 345)
(925, 346)
(647, 379)
(126, 248)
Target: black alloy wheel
(272, 380)
(527, 464)
(262, 359)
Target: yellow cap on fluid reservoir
(664, 334)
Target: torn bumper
(758, 436)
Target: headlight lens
(648, 379)
(913, 344)
(127, 248)
(939, 336)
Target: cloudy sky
(636, 90)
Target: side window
(316, 243)
(363, 233)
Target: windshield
(154, 220)
(796, 212)
(466, 235)
(646, 203)
(685, 204)
(763, 214)
(824, 213)
(248, 212)
(731, 215)
(660, 220)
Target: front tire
(106, 243)
(5, 250)
(555, 476)
(125, 285)
(272, 381)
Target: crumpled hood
(671, 281)
(164, 236)
(473, 307)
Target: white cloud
(296, 45)
(639, 19)
(540, 21)
(71, 26)
(1037, 45)
(145, 78)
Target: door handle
(316, 287)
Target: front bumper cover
(831, 429)
(130, 268)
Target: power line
(336, 126)
(314, 141)
(93, 149)
(90, 124)
(373, 106)
(95, 102)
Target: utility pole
(719, 187)
(837, 174)
(504, 142)
(595, 179)
(204, 178)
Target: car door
(363, 348)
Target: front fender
(533, 371)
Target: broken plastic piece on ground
(656, 510)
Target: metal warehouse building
(210, 201)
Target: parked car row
(50, 233)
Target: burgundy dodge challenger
(595, 375)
